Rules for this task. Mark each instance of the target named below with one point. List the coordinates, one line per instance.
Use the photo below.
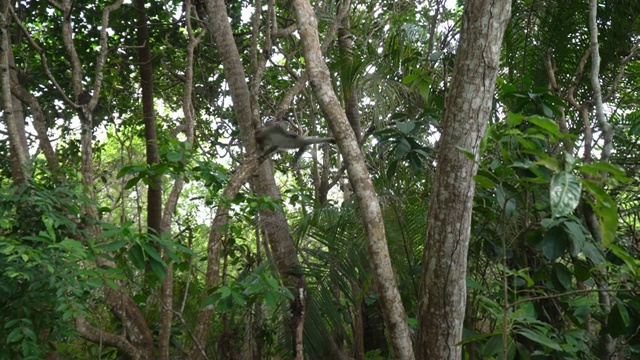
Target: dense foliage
(553, 261)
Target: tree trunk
(274, 223)
(394, 314)
(14, 121)
(468, 108)
(154, 192)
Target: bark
(239, 178)
(394, 314)
(605, 126)
(98, 336)
(468, 108)
(154, 191)
(38, 123)
(119, 303)
(274, 224)
(358, 324)
(18, 115)
(350, 94)
(607, 342)
(172, 201)
(13, 120)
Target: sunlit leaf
(565, 190)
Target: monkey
(272, 136)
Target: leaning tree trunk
(468, 108)
(393, 309)
(274, 223)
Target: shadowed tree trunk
(468, 108)
(154, 191)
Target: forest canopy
(274, 179)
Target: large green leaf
(547, 124)
(605, 207)
(554, 243)
(565, 192)
(576, 234)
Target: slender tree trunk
(216, 232)
(394, 314)
(12, 119)
(468, 108)
(121, 305)
(358, 324)
(607, 342)
(154, 192)
(349, 88)
(274, 223)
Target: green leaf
(576, 235)
(158, 268)
(174, 156)
(514, 119)
(225, 292)
(565, 193)
(136, 256)
(10, 323)
(436, 55)
(593, 253)
(112, 284)
(549, 162)
(539, 337)
(546, 124)
(402, 148)
(14, 336)
(625, 256)
(635, 129)
(424, 88)
(31, 335)
(152, 252)
(271, 300)
(505, 201)
(210, 300)
(581, 273)
(484, 181)
(409, 79)
(546, 110)
(71, 245)
(569, 161)
(468, 154)
(131, 183)
(493, 346)
(562, 275)
(606, 209)
(618, 320)
(554, 243)
(48, 224)
(614, 170)
(238, 298)
(113, 246)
